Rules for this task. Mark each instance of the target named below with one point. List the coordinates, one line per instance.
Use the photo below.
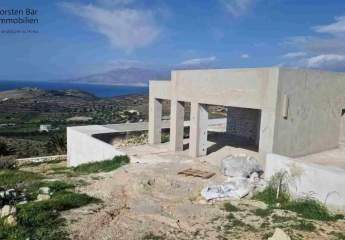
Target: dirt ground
(147, 199)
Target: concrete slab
(324, 182)
(84, 147)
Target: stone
(5, 211)
(2, 194)
(11, 220)
(42, 197)
(240, 166)
(13, 210)
(279, 235)
(44, 190)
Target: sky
(77, 38)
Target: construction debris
(246, 172)
(235, 189)
(240, 166)
(197, 173)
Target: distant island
(132, 76)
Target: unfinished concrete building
(284, 111)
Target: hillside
(126, 76)
(32, 93)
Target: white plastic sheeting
(240, 166)
(245, 172)
(234, 189)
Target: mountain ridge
(131, 76)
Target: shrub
(66, 200)
(41, 220)
(103, 166)
(8, 162)
(277, 191)
(57, 144)
(13, 178)
(263, 212)
(311, 208)
(230, 208)
(5, 149)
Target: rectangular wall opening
(242, 130)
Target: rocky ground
(147, 199)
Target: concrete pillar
(198, 130)
(155, 120)
(176, 125)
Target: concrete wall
(82, 148)
(321, 182)
(254, 88)
(315, 100)
(160, 89)
(311, 100)
(229, 87)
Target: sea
(98, 90)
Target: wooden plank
(196, 173)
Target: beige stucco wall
(314, 111)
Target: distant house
(4, 125)
(79, 119)
(45, 128)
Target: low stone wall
(325, 183)
(42, 159)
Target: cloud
(323, 50)
(330, 61)
(125, 28)
(198, 61)
(244, 56)
(115, 2)
(334, 28)
(294, 55)
(237, 7)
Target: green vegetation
(57, 144)
(20, 118)
(151, 236)
(234, 223)
(311, 209)
(5, 149)
(276, 195)
(165, 137)
(276, 192)
(7, 162)
(304, 226)
(41, 219)
(230, 208)
(13, 178)
(104, 166)
(269, 196)
(32, 189)
(262, 212)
